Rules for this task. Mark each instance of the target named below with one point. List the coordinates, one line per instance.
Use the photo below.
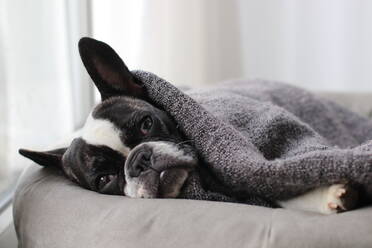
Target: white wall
(191, 42)
(322, 45)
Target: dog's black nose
(139, 162)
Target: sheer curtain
(187, 42)
(43, 93)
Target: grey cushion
(50, 211)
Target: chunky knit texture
(261, 141)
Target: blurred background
(45, 93)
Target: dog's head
(128, 146)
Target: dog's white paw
(339, 198)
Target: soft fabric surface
(261, 141)
(50, 211)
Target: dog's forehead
(102, 132)
(120, 104)
(103, 125)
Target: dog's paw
(340, 198)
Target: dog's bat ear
(107, 70)
(47, 158)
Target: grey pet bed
(50, 211)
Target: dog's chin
(167, 184)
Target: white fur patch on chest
(103, 132)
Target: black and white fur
(130, 147)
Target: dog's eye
(146, 125)
(103, 180)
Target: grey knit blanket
(261, 141)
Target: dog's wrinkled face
(128, 146)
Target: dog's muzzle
(158, 169)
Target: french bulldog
(130, 147)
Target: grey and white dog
(130, 147)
